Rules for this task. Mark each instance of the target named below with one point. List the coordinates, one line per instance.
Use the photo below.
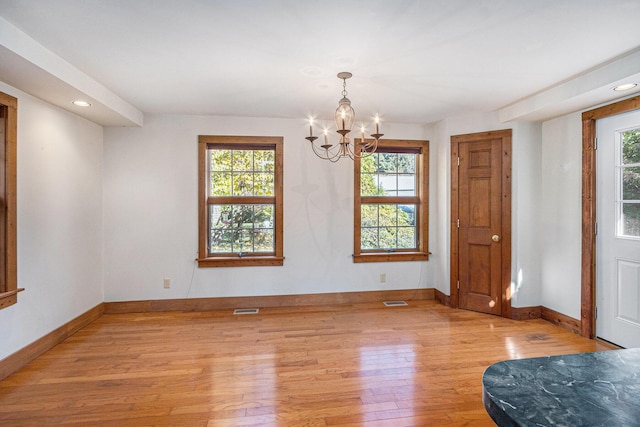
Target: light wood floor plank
(345, 365)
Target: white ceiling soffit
(587, 90)
(30, 67)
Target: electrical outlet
(166, 283)
(383, 277)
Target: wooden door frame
(505, 135)
(588, 282)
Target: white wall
(150, 196)
(525, 195)
(561, 214)
(526, 231)
(59, 214)
(440, 157)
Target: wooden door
(481, 222)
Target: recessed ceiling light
(80, 103)
(625, 86)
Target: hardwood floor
(346, 365)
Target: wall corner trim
(442, 298)
(562, 320)
(526, 313)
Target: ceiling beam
(27, 65)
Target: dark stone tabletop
(586, 389)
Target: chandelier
(344, 119)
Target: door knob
(495, 238)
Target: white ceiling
(412, 61)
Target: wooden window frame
(204, 200)
(421, 253)
(8, 240)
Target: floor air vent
(246, 311)
(394, 303)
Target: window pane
(388, 184)
(241, 228)
(264, 160)
(631, 183)
(631, 219)
(406, 185)
(263, 240)
(220, 160)
(242, 184)
(369, 238)
(631, 147)
(388, 174)
(388, 237)
(263, 184)
(263, 216)
(388, 162)
(233, 173)
(388, 215)
(222, 240)
(220, 184)
(369, 215)
(406, 237)
(388, 226)
(407, 163)
(369, 164)
(406, 215)
(221, 232)
(243, 160)
(368, 184)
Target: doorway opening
(588, 282)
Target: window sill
(391, 257)
(9, 298)
(248, 261)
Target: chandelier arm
(371, 146)
(320, 153)
(348, 151)
(324, 153)
(365, 154)
(361, 154)
(358, 150)
(334, 159)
